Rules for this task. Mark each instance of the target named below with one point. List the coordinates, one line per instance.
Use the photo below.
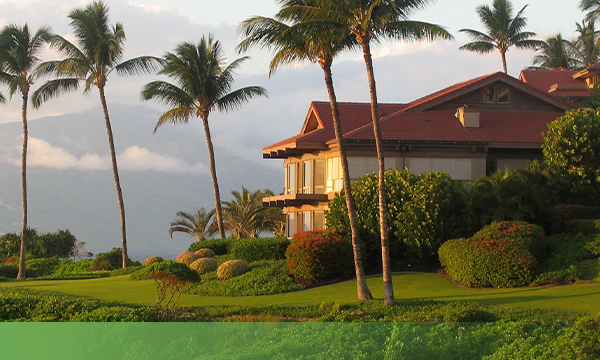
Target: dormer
(468, 116)
(312, 122)
(590, 75)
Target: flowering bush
(231, 268)
(204, 265)
(499, 255)
(320, 256)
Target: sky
(404, 71)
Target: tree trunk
(383, 224)
(21, 274)
(213, 175)
(361, 282)
(503, 54)
(113, 157)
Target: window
(307, 177)
(319, 220)
(488, 94)
(291, 224)
(503, 94)
(334, 175)
(306, 221)
(319, 176)
(291, 179)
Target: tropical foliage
(245, 216)
(503, 31)
(61, 244)
(198, 226)
(202, 84)
(554, 53)
(570, 150)
(97, 53)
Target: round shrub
(204, 265)
(187, 257)
(499, 255)
(231, 268)
(173, 271)
(152, 259)
(205, 253)
(320, 256)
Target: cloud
(42, 154)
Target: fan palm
(199, 225)
(297, 42)
(19, 56)
(244, 216)
(203, 84)
(98, 54)
(371, 21)
(503, 31)
(554, 53)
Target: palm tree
(203, 84)
(245, 217)
(592, 7)
(371, 21)
(587, 44)
(503, 31)
(296, 43)
(19, 56)
(199, 225)
(98, 54)
(554, 53)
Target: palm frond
(140, 65)
(235, 99)
(53, 89)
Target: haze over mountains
(70, 182)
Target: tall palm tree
(372, 21)
(200, 225)
(203, 84)
(19, 56)
(98, 53)
(592, 7)
(296, 42)
(503, 31)
(554, 53)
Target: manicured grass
(410, 286)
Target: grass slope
(409, 286)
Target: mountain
(70, 182)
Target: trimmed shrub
(177, 271)
(583, 337)
(187, 257)
(219, 246)
(126, 271)
(205, 253)
(259, 249)
(43, 267)
(11, 272)
(204, 265)
(111, 260)
(152, 259)
(231, 268)
(499, 255)
(559, 277)
(68, 267)
(118, 314)
(320, 256)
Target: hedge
(259, 249)
(219, 246)
(499, 255)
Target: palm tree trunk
(503, 54)
(361, 282)
(21, 274)
(113, 157)
(383, 223)
(213, 175)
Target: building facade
(467, 130)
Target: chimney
(469, 117)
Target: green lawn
(581, 298)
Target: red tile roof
(561, 79)
(414, 122)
